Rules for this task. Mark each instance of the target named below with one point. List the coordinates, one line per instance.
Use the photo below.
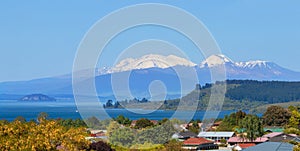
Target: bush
(100, 146)
(292, 131)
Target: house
(93, 131)
(185, 126)
(199, 144)
(273, 129)
(215, 126)
(184, 135)
(278, 146)
(100, 134)
(243, 146)
(240, 140)
(97, 134)
(281, 137)
(216, 136)
(237, 148)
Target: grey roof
(187, 134)
(215, 134)
(272, 146)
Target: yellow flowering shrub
(46, 135)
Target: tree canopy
(143, 123)
(253, 126)
(276, 116)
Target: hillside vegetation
(240, 95)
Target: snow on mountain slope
(150, 61)
(144, 73)
(253, 64)
(215, 60)
(260, 70)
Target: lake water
(10, 109)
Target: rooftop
(246, 145)
(278, 146)
(273, 129)
(187, 134)
(270, 135)
(241, 140)
(197, 141)
(215, 134)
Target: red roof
(246, 145)
(270, 135)
(241, 140)
(100, 134)
(197, 141)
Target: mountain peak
(151, 61)
(215, 60)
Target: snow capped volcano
(253, 64)
(152, 67)
(258, 70)
(215, 60)
(151, 61)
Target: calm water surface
(10, 109)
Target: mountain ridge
(140, 78)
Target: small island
(37, 97)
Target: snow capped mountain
(240, 70)
(215, 60)
(150, 61)
(152, 67)
(253, 64)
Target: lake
(10, 109)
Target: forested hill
(265, 91)
(240, 95)
(243, 94)
(251, 90)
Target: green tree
(231, 121)
(109, 104)
(122, 137)
(194, 127)
(100, 146)
(113, 126)
(159, 134)
(123, 120)
(253, 127)
(276, 116)
(143, 123)
(21, 119)
(294, 121)
(164, 120)
(92, 122)
(292, 130)
(173, 145)
(68, 123)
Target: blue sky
(40, 38)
